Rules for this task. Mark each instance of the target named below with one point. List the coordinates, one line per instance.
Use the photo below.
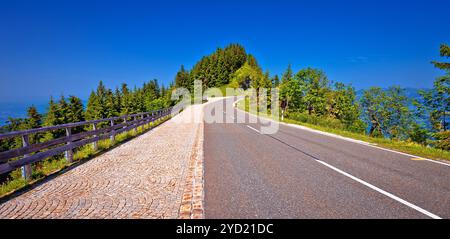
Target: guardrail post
(113, 133)
(95, 144)
(26, 170)
(135, 123)
(69, 153)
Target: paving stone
(147, 177)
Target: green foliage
(275, 81)
(387, 112)
(445, 52)
(182, 79)
(104, 103)
(443, 140)
(290, 91)
(33, 121)
(218, 68)
(418, 134)
(75, 110)
(93, 107)
(314, 85)
(434, 105)
(247, 76)
(342, 104)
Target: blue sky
(66, 47)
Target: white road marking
(350, 140)
(417, 208)
(390, 195)
(253, 129)
(410, 155)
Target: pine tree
(109, 106)
(126, 100)
(275, 81)
(118, 101)
(75, 113)
(290, 92)
(93, 110)
(444, 52)
(182, 78)
(63, 109)
(53, 117)
(33, 121)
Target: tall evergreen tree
(275, 81)
(93, 109)
(126, 100)
(53, 117)
(75, 112)
(290, 92)
(33, 121)
(63, 109)
(182, 78)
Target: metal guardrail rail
(31, 153)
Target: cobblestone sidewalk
(157, 175)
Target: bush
(418, 134)
(442, 140)
(316, 120)
(357, 127)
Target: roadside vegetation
(386, 117)
(102, 103)
(335, 127)
(59, 163)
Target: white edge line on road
(390, 195)
(347, 139)
(419, 209)
(250, 127)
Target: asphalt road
(297, 173)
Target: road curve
(297, 173)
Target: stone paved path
(157, 175)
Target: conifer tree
(33, 121)
(53, 117)
(93, 107)
(75, 112)
(63, 109)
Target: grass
(401, 146)
(59, 163)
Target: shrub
(442, 140)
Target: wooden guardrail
(31, 153)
